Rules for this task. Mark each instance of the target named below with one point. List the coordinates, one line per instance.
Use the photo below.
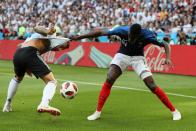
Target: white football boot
(53, 111)
(7, 107)
(176, 115)
(96, 115)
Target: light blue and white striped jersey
(54, 40)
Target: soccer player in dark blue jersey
(131, 53)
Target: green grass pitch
(125, 110)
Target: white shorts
(138, 64)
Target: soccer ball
(69, 89)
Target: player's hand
(169, 63)
(66, 45)
(51, 31)
(62, 47)
(166, 39)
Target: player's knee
(48, 77)
(113, 73)
(53, 82)
(110, 78)
(150, 84)
(151, 87)
(18, 79)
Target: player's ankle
(44, 104)
(98, 110)
(175, 110)
(8, 102)
(172, 109)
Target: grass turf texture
(125, 110)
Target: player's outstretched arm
(92, 34)
(168, 53)
(44, 31)
(61, 47)
(166, 47)
(65, 42)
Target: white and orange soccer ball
(69, 89)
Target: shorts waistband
(30, 47)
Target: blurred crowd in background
(175, 19)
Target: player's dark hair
(134, 33)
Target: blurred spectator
(1, 34)
(13, 35)
(182, 37)
(187, 27)
(5, 32)
(21, 31)
(193, 40)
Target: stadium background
(131, 106)
(173, 18)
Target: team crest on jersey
(124, 42)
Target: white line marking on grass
(129, 88)
(120, 87)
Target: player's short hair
(135, 29)
(134, 33)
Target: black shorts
(29, 59)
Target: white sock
(12, 88)
(48, 93)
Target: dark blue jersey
(134, 49)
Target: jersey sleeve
(57, 41)
(35, 36)
(113, 31)
(154, 42)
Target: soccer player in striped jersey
(27, 59)
(131, 53)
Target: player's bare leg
(12, 88)
(162, 96)
(48, 93)
(113, 73)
